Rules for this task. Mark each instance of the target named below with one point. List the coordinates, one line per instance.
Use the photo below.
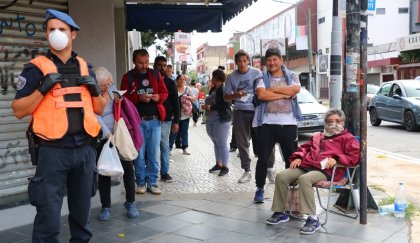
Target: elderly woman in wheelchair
(311, 163)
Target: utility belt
(42, 142)
(34, 143)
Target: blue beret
(54, 14)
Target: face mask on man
(58, 40)
(332, 129)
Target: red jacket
(158, 85)
(343, 147)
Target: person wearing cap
(275, 116)
(60, 92)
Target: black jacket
(171, 103)
(222, 107)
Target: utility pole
(335, 83)
(363, 114)
(310, 81)
(351, 86)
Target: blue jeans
(182, 134)
(148, 173)
(218, 133)
(164, 147)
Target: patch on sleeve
(21, 83)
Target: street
(392, 137)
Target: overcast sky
(255, 14)
(258, 12)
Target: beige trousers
(306, 192)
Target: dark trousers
(181, 137)
(60, 169)
(268, 136)
(104, 182)
(233, 140)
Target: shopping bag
(109, 163)
(122, 139)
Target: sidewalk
(199, 206)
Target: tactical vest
(67, 108)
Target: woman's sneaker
(132, 211)
(104, 214)
(311, 226)
(185, 152)
(277, 218)
(224, 171)
(215, 168)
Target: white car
(313, 113)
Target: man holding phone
(146, 89)
(239, 87)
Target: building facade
(208, 59)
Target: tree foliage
(193, 74)
(150, 38)
(412, 56)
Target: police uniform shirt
(144, 86)
(29, 81)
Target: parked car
(397, 101)
(313, 112)
(371, 91)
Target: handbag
(122, 138)
(109, 163)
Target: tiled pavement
(199, 206)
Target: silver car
(313, 113)
(397, 101)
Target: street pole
(335, 82)
(363, 114)
(350, 101)
(311, 84)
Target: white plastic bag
(109, 163)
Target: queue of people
(83, 104)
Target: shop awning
(186, 17)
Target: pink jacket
(132, 119)
(343, 147)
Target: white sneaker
(185, 151)
(141, 189)
(246, 177)
(271, 176)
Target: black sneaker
(166, 178)
(215, 168)
(232, 149)
(277, 218)
(311, 226)
(223, 171)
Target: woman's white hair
(102, 74)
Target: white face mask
(58, 40)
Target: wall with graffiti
(22, 38)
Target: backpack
(186, 104)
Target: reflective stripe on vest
(49, 120)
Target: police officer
(60, 92)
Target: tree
(193, 74)
(412, 56)
(149, 38)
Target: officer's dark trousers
(60, 169)
(268, 136)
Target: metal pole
(363, 113)
(335, 83)
(311, 84)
